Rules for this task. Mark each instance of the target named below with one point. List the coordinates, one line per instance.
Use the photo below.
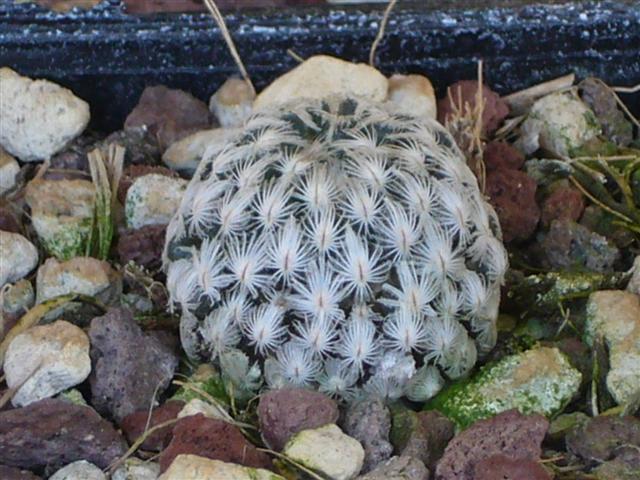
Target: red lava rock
(129, 366)
(169, 114)
(513, 195)
(134, 425)
(495, 109)
(369, 422)
(598, 439)
(140, 144)
(499, 467)
(285, 412)
(10, 473)
(142, 246)
(429, 438)
(564, 203)
(509, 433)
(502, 155)
(134, 171)
(53, 433)
(214, 439)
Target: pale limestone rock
(193, 467)
(196, 406)
(412, 95)
(83, 275)
(232, 103)
(9, 168)
(18, 256)
(39, 118)
(185, 155)
(80, 470)
(136, 469)
(153, 199)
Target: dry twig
(380, 34)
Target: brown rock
(564, 203)
(135, 424)
(285, 412)
(134, 171)
(142, 246)
(214, 439)
(54, 433)
(499, 467)
(509, 433)
(140, 144)
(502, 155)
(429, 437)
(598, 439)
(369, 422)
(169, 114)
(9, 221)
(495, 109)
(513, 195)
(10, 473)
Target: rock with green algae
(540, 380)
(73, 396)
(193, 467)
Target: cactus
(341, 247)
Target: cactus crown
(342, 247)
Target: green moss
(70, 241)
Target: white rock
(232, 103)
(615, 315)
(328, 451)
(62, 214)
(18, 256)
(9, 168)
(634, 282)
(558, 123)
(84, 275)
(412, 95)
(196, 406)
(193, 467)
(322, 76)
(46, 360)
(136, 469)
(153, 199)
(185, 155)
(80, 470)
(38, 117)
(17, 299)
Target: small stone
(232, 103)
(562, 425)
(196, 406)
(17, 299)
(322, 76)
(571, 246)
(141, 146)
(558, 123)
(136, 469)
(464, 93)
(153, 200)
(412, 95)
(62, 214)
(53, 433)
(135, 424)
(500, 467)
(513, 195)
(46, 360)
(369, 422)
(168, 114)
(540, 380)
(602, 100)
(38, 117)
(19, 256)
(83, 275)
(132, 172)
(73, 158)
(625, 465)
(142, 246)
(184, 156)
(129, 366)
(214, 439)
(615, 316)
(9, 168)
(9, 219)
(80, 470)
(327, 451)
(193, 467)
(564, 203)
(597, 439)
(509, 433)
(634, 282)
(501, 156)
(285, 412)
(398, 468)
(10, 473)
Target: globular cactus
(340, 246)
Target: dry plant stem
(298, 465)
(520, 101)
(634, 89)
(380, 34)
(219, 19)
(294, 55)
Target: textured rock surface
(597, 439)
(153, 199)
(285, 412)
(193, 467)
(10, 473)
(140, 144)
(129, 366)
(625, 465)
(85, 275)
(510, 434)
(9, 220)
(634, 282)
(38, 117)
(601, 99)
(19, 256)
(80, 470)
(196, 406)
(500, 467)
(369, 422)
(135, 424)
(17, 299)
(132, 172)
(232, 103)
(46, 360)
(502, 155)
(55, 433)
(214, 439)
(168, 114)
(9, 168)
(322, 76)
(185, 155)
(136, 469)
(398, 468)
(61, 214)
(412, 95)
(564, 203)
(615, 315)
(328, 451)
(142, 246)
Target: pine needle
(380, 34)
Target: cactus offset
(340, 246)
